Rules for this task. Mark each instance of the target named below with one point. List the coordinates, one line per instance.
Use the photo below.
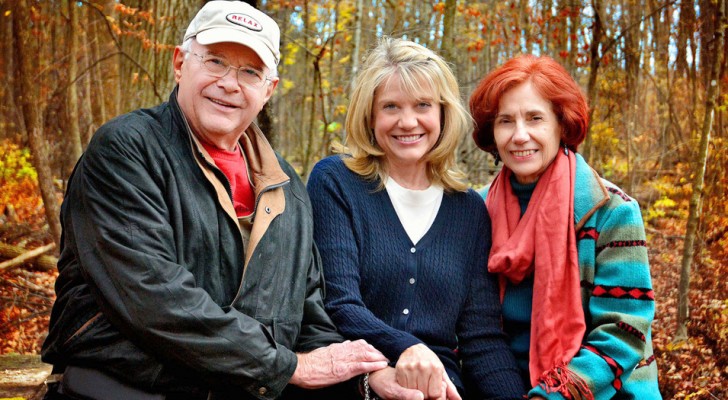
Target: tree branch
(24, 257)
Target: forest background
(654, 72)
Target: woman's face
(406, 127)
(527, 132)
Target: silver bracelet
(367, 392)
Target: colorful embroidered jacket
(616, 358)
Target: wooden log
(36, 259)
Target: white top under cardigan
(416, 209)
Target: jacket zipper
(255, 210)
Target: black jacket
(159, 286)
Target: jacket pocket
(84, 328)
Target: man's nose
(230, 79)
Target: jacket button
(267, 210)
(262, 391)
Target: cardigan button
(412, 281)
(405, 311)
(262, 391)
(412, 250)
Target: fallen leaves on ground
(696, 369)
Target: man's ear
(178, 59)
(271, 87)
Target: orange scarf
(543, 242)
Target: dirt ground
(22, 377)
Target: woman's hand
(384, 384)
(451, 392)
(419, 368)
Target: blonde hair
(419, 69)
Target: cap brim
(220, 35)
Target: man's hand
(384, 384)
(420, 368)
(336, 363)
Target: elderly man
(188, 268)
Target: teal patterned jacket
(616, 359)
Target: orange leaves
(146, 16)
(570, 12)
(472, 12)
(131, 11)
(477, 45)
(35, 15)
(466, 11)
(135, 23)
(24, 313)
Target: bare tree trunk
(662, 74)
(573, 28)
(265, 119)
(87, 116)
(282, 140)
(28, 48)
(594, 62)
(308, 103)
(696, 199)
(73, 134)
(330, 100)
(632, 57)
(446, 46)
(355, 55)
(9, 106)
(686, 28)
(97, 76)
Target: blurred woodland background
(654, 72)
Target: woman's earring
(497, 158)
(566, 150)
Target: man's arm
(324, 358)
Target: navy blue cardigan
(382, 288)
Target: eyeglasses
(218, 68)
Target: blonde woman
(404, 241)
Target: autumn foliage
(643, 66)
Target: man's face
(219, 109)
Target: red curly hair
(549, 78)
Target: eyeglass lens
(219, 68)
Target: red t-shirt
(232, 164)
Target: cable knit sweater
(382, 288)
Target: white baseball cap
(237, 22)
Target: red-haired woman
(568, 245)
